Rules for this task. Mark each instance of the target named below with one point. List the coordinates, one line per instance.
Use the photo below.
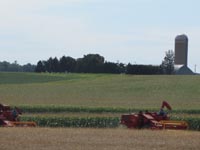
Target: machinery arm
(166, 104)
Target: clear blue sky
(135, 31)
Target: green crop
(95, 122)
(100, 90)
(76, 109)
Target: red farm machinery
(153, 120)
(9, 117)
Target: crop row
(58, 109)
(94, 122)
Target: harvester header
(153, 120)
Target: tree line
(95, 63)
(91, 63)
(15, 67)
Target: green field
(100, 90)
(98, 100)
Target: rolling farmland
(98, 100)
(85, 102)
(100, 90)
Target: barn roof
(182, 70)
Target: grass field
(96, 139)
(97, 100)
(100, 90)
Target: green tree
(91, 63)
(55, 65)
(4, 66)
(49, 65)
(40, 67)
(168, 62)
(110, 67)
(28, 68)
(67, 64)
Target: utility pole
(195, 68)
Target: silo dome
(182, 37)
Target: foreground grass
(98, 139)
(92, 90)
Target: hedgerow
(58, 109)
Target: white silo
(181, 50)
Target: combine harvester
(153, 120)
(10, 117)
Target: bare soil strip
(96, 139)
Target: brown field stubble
(98, 139)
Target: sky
(127, 31)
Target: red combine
(9, 117)
(153, 120)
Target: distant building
(181, 55)
(181, 50)
(182, 70)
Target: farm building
(181, 56)
(182, 70)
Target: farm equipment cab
(153, 120)
(9, 117)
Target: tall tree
(110, 67)
(55, 65)
(67, 64)
(28, 68)
(40, 67)
(49, 65)
(4, 66)
(91, 63)
(168, 62)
